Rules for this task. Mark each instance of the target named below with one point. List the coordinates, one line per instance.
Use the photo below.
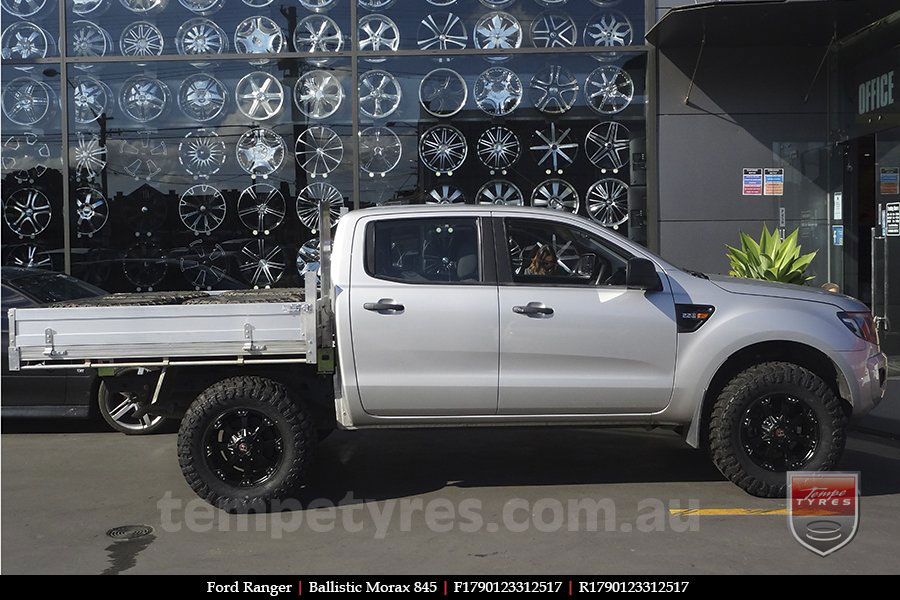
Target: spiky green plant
(770, 259)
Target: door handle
(384, 305)
(533, 308)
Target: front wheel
(773, 418)
(245, 442)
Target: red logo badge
(823, 509)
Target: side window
(424, 250)
(555, 253)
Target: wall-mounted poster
(889, 181)
(773, 182)
(892, 219)
(837, 235)
(752, 184)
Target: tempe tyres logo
(823, 509)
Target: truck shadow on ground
(379, 465)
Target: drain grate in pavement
(129, 532)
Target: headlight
(862, 324)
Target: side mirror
(640, 274)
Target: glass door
(885, 285)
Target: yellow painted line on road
(728, 512)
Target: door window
(544, 252)
(424, 250)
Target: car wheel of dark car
(125, 412)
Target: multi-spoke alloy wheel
(379, 150)
(261, 208)
(202, 7)
(500, 191)
(204, 265)
(143, 98)
(779, 432)
(90, 156)
(497, 31)
(202, 208)
(445, 194)
(23, 8)
(201, 97)
(89, 8)
(260, 151)
(90, 97)
(262, 262)
(552, 29)
(27, 212)
(308, 257)
(498, 148)
(318, 33)
(201, 36)
(442, 32)
(26, 101)
(259, 95)
(607, 202)
(88, 40)
(201, 153)
(258, 35)
(145, 265)
(91, 210)
(318, 5)
(243, 448)
(378, 33)
(553, 90)
(318, 94)
(379, 94)
(144, 155)
(24, 40)
(554, 148)
(29, 256)
(144, 6)
(319, 150)
(315, 196)
(606, 146)
(555, 194)
(141, 39)
(443, 92)
(608, 29)
(498, 91)
(443, 149)
(608, 90)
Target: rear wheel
(245, 442)
(773, 418)
(128, 411)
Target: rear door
(574, 339)
(423, 317)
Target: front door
(424, 318)
(886, 244)
(573, 338)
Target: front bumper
(866, 376)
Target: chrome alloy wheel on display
(318, 94)
(318, 33)
(258, 35)
(498, 148)
(24, 40)
(26, 101)
(318, 196)
(442, 31)
(90, 98)
(443, 149)
(554, 148)
(319, 150)
(443, 92)
(143, 98)
(318, 5)
(261, 208)
(27, 212)
(25, 156)
(201, 97)
(23, 8)
(379, 93)
(497, 3)
(202, 208)
(607, 146)
(145, 154)
(257, 3)
(608, 90)
(259, 95)
(551, 3)
(555, 194)
(498, 91)
(91, 211)
(553, 90)
(201, 153)
(378, 33)
(260, 152)
(145, 265)
(204, 265)
(497, 31)
(308, 257)
(379, 151)
(90, 8)
(608, 29)
(607, 202)
(501, 192)
(201, 36)
(89, 155)
(552, 29)
(29, 256)
(87, 40)
(202, 7)
(141, 38)
(445, 194)
(262, 263)
(375, 4)
(144, 6)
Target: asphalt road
(491, 501)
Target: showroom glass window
(201, 136)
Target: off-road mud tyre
(730, 414)
(286, 414)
